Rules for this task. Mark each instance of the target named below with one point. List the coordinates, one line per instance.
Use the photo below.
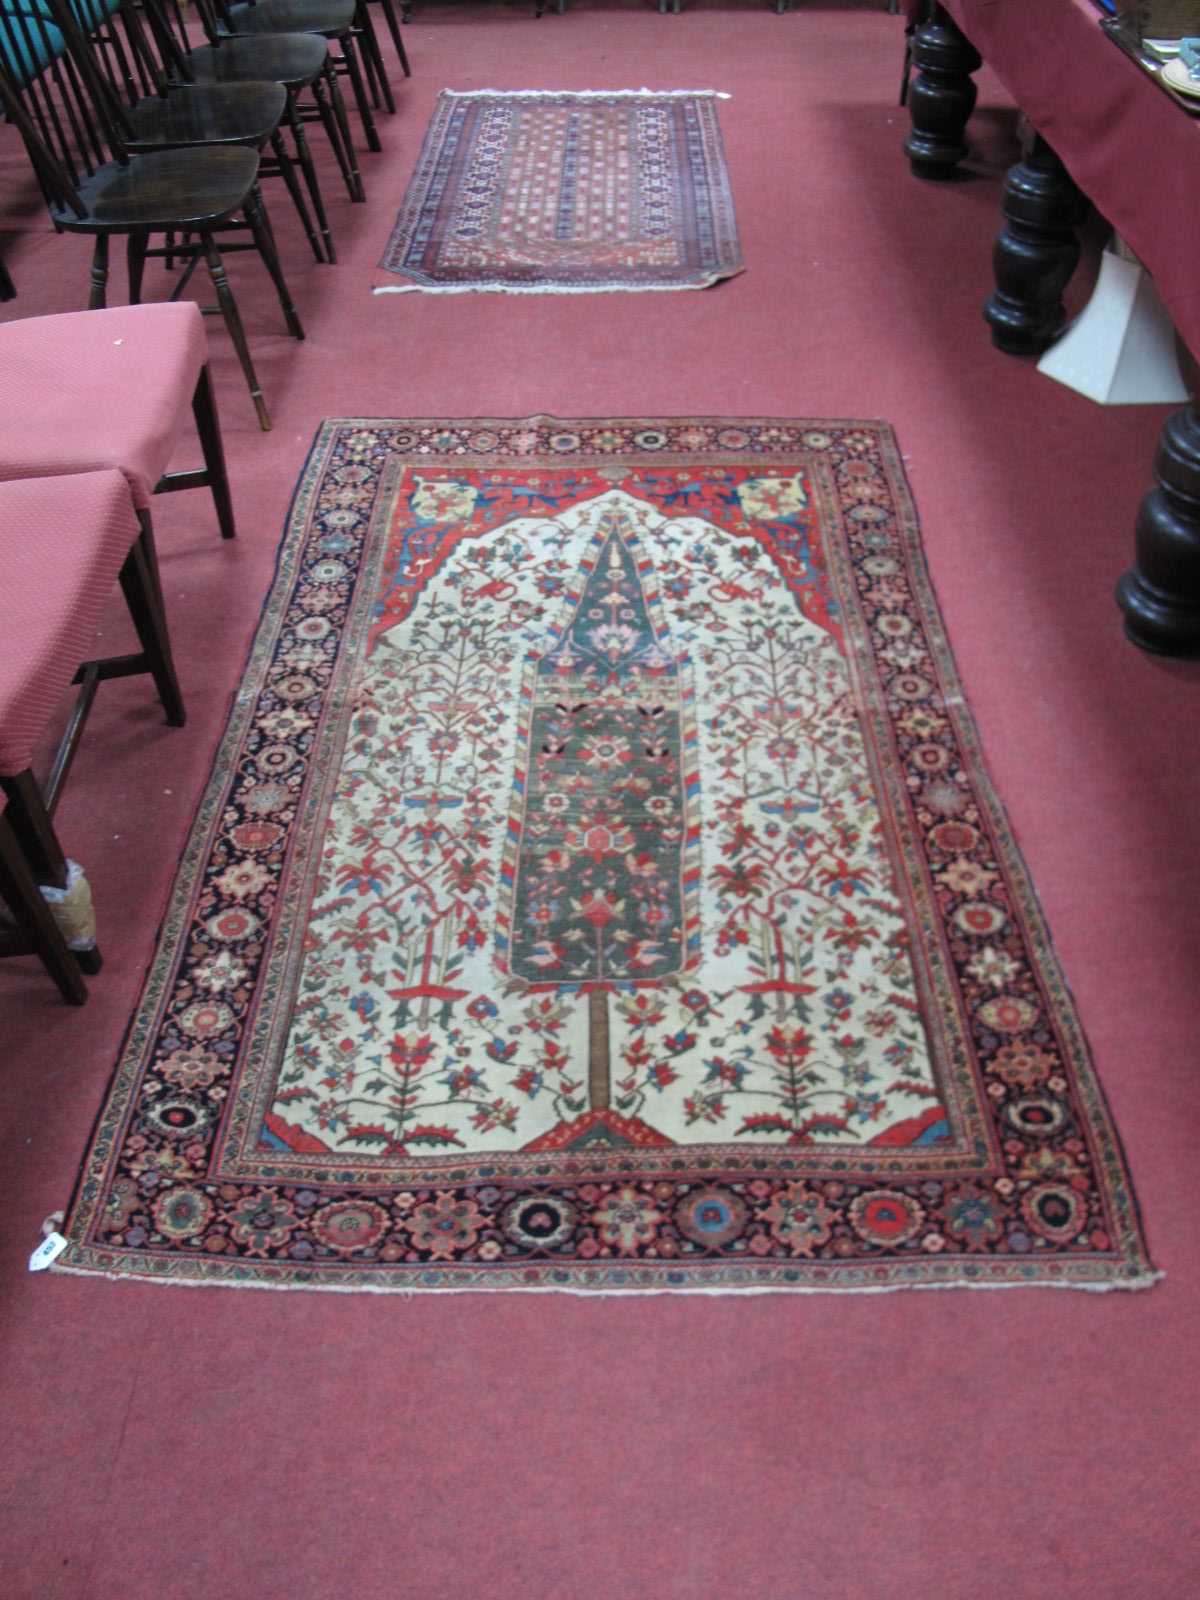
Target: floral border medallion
(598, 887)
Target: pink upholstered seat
(87, 390)
(62, 543)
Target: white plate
(1176, 74)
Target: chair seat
(214, 113)
(85, 390)
(163, 189)
(292, 59)
(62, 543)
(327, 17)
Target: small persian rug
(598, 887)
(563, 193)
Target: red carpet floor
(209, 1442)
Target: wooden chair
(393, 24)
(82, 391)
(124, 60)
(340, 22)
(93, 185)
(300, 61)
(62, 542)
(33, 930)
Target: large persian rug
(598, 887)
(566, 193)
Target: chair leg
(98, 296)
(31, 823)
(264, 238)
(233, 321)
(287, 171)
(393, 22)
(336, 112)
(21, 894)
(208, 426)
(30, 816)
(361, 100)
(135, 255)
(372, 55)
(308, 168)
(143, 595)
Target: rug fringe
(1145, 1280)
(552, 288)
(590, 94)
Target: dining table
(1104, 129)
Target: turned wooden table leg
(1160, 594)
(941, 96)
(1035, 253)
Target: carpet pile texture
(566, 193)
(598, 887)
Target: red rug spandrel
(599, 887)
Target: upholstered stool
(62, 542)
(85, 390)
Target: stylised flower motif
(772, 498)
(122, 1201)
(1043, 1164)
(1008, 1013)
(885, 1217)
(179, 1117)
(965, 877)
(205, 1019)
(350, 1225)
(181, 1214)
(319, 598)
(605, 752)
(266, 798)
(598, 839)
(445, 1226)
(1037, 1116)
(295, 686)
(599, 909)
(975, 1218)
(627, 1220)
(263, 1222)
(945, 797)
(256, 835)
(799, 1219)
(192, 1068)
(613, 639)
(162, 1163)
(287, 723)
(783, 749)
(539, 1222)
(273, 760)
(992, 966)
(243, 879)
(232, 925)
(220, 971)
(1055, 1211)
(446, 501)
(712, 1217)
(1022, 1066)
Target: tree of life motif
(599, 867)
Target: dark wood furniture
(1104, 130)
(57, 605)
(94, 185)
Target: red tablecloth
(1129, 147)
